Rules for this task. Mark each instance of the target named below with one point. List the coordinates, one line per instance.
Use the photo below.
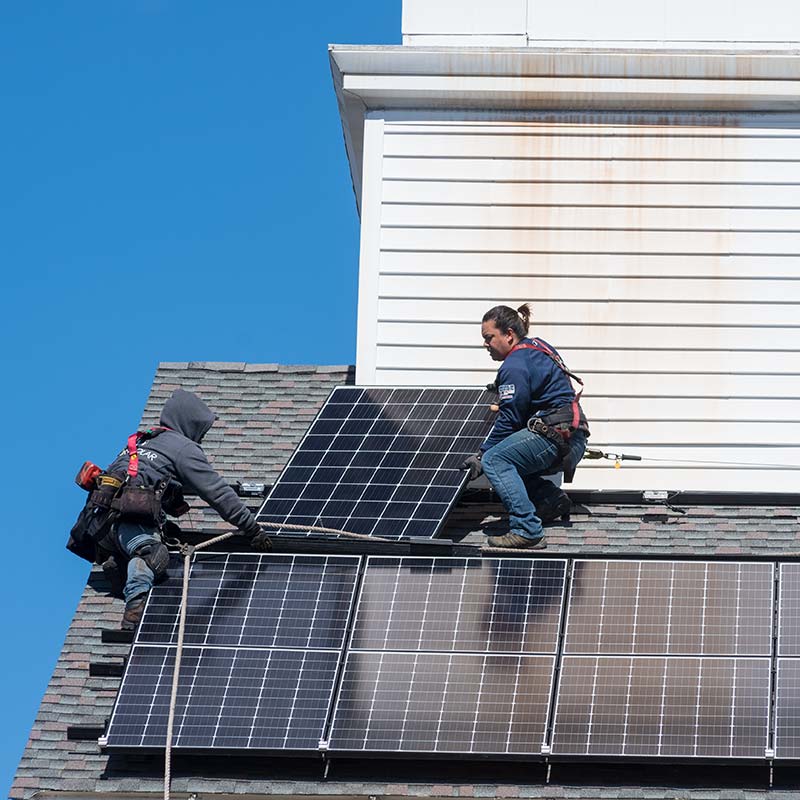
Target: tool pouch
(140, 503)
(96, 519)
(104, 495)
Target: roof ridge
(244, 366)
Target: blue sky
(173, 187)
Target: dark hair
(506, 319)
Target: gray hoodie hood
(186, 413)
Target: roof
(247, 444)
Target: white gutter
(535, 79)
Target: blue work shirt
(529, 383)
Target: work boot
(114, 576)
(552, 508)
(551, 501)
(133, 613)
(515, 540)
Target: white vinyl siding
(660, 254)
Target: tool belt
(556, 427)
(140, 503)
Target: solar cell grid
(663, 706)
(442, 703)
(382, 461)
(264, 639)
(787, 709)
(476, 605)
(253, 600)
(670, 608)
(227, 698)
(789, 611)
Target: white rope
(788, 467)
(175, 675)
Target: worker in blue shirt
(540, 428)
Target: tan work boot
(515, 540)
(133, 613)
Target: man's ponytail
(506, 319)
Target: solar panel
(382, 461)
(787, 681)
(787, 709)
(467, 605)
(663, 706)
(662, 659)
(442, 703)
(451, 656)
(263, 644)
(789, 611)
(252, 600)
(670, 608)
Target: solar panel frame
(549, 572)
(596, 623)
(326, 580)
(789, 610)
(341, 738)
(491, 712)
(787, 709)
(385, 493)
(619, 706)
(311, 674)
(280, 720)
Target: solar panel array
(451, 656)
(410, 655)
(666, 659)
(264, 638)
(382, 461)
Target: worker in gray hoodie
(170, 458)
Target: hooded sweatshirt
(176, 454)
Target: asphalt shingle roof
(264, 410)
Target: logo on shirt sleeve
(506, 391)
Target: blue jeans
(130, 537)
(521, 456)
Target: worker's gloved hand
(473, 464)
(261, 542)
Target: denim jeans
(519, 458)
(130, 537)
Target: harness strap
(133, 441)
(541, 347)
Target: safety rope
(188, 551)
(594, 454)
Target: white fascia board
(532, 79)
(580, 94)
(352, 112)
(554, 62)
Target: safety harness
(133, 447)
(136, 501)
(113, 496)
(558, 427)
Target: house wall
(676, 23)
(660, 253)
